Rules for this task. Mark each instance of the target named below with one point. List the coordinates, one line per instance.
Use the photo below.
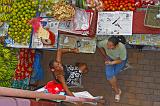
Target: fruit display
(4, 17)
(119, 5)
(45, 5)
(19, 29)
(5, 9)
(62, 11)
(6, 2)
(8, 62)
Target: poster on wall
(47, 35)
(115, 23)
(84, 44)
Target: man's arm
(60, 52)
(65, 87)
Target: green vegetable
(8, 63)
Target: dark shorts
(113, 70)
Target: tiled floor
(140, 84)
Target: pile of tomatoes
(119, 5)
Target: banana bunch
(8, 63)
(6, 2)
(5, 83)
(5, 9)
(4, 17)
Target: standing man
(115, 60)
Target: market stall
(30, 26)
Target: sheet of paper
(84, 94)
(115, 23)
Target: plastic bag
(54, 87)
(82, 20)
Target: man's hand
(75, 50)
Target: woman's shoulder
(121, 47)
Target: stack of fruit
(5, 9)
(45, 6)
(119, 5)
(22, 12)
(6, 2)
(8, 62)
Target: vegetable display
(22, 12)
(8, 62)
(119, 5)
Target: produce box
(84, 44)
(20, 31)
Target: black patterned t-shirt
(72, 75)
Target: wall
(140, 84)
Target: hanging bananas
(8, 62)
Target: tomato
(113, 9)
(126, 8)
(121, 6)
(126, 1)
(129, 4)
(105, 2)
(110, 2)
(132, 9)
(133, 5)
(116, 8)
(117, 4)
(123, 9)
(132, 1)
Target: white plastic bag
(82, 20)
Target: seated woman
(67, 74)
